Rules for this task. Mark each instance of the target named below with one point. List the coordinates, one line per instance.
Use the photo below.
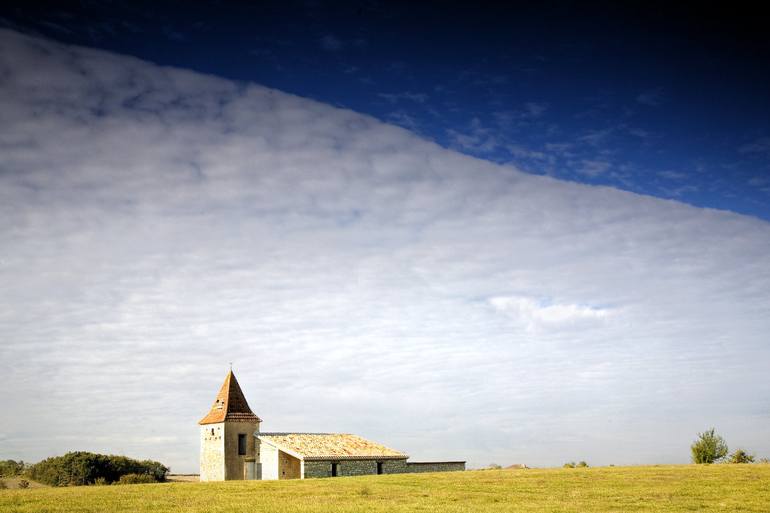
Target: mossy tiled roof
(329, 446)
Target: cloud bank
(156, 224)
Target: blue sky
(648, 98)
(357, 215)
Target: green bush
(3, 486)
(136, 479)
(708, 448)
(570, 464)
(84, 468)
(741, 456)
(582, 464)
(10, 468)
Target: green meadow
(725, 488)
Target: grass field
(724, 488)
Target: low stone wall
(369, 467)
(435, 466)
(317, 469)
(354, 467)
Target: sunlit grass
(725, 488)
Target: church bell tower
(229, 449)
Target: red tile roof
(230, 404)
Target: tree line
(86, 468)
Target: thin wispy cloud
(594, 168)
(760, 146)
(331, 43)
(672, 175)
(157, 224)
(651, 97)
(408, 96)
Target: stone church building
(233, 447)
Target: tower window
(241, 445)
(212, 431)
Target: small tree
(569, 464)
(708, 448)
(582, 464)
(741, 456)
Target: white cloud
(156, 224)
(538, 315)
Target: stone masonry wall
(368, 467)
(212, 458)
(394, 467)
(234, 462)
(317, 469)
(435, 466)
(354, 467)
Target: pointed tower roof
(230, 404)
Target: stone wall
(435, 466)
(317, 469)
(234, 463)
(368, 467)
(354, 467)
(394, 466)
(219, 459)
(212, 458)
(288, 466)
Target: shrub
(84, 468)
(100, 481)
(10, 468)
(23, 483)
(3, 486)
(741, 456)
(494, 466)
(764, 460)
(582, 464)
(570, 464)
(708, 448)
(136, 479)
